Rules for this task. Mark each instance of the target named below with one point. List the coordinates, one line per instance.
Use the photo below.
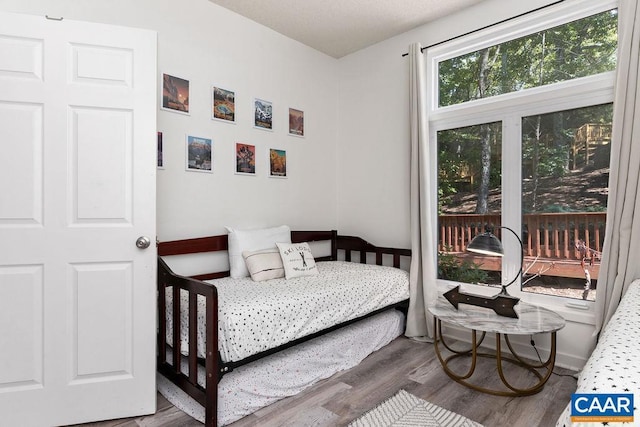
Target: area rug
(405, 410)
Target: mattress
(257, 316)
(614, 365)
(263, 382)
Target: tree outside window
(555, 143)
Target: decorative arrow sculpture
(501, 304)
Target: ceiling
(341, 27)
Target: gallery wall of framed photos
(199, 153)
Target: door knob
(143, 242)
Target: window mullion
(576, 93)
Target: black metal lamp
(503, 303)
(488, 244)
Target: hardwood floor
(403, 364)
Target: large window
(523, 129)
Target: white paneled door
(77, 190)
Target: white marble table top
(532, 319)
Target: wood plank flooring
(403, 364)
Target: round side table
(531, 320)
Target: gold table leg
(546, 367)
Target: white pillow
(264, 265)
(297, 260)
(252, 240)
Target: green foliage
(595, 208)
(546, 138)
(584, 47)
(549, 161)
(466, 271)
(460, 160)
(576, 49)
(556, 209)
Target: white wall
(373, 147)
(208, 45)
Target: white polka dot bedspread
(614, 365)
(257, 316)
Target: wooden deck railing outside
(569, 239)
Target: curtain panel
(620, 263)
(423, 270)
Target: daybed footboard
(215, 368)
(189, 383)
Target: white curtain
(423, 205)
(621, 255)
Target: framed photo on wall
(160, 154)
(175, 94)
(277, 163)
(296, 122)
(262, 114)
(223, 105)
(198, 154)
(245, 159)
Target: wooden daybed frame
(215, 368)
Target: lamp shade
(487, 244)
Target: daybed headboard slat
(191, 246)
(312, 236)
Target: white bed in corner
(614, 365)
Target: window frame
(509, 109)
